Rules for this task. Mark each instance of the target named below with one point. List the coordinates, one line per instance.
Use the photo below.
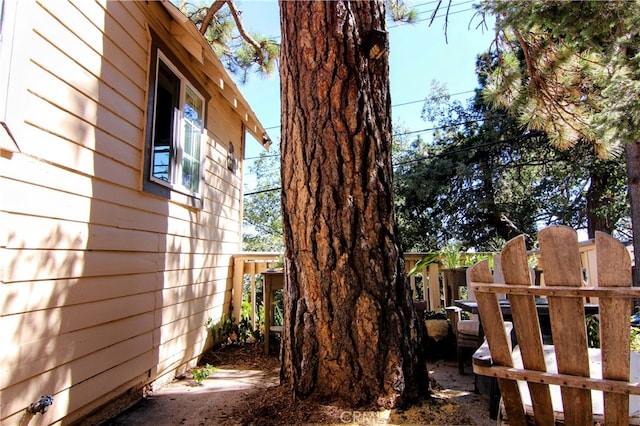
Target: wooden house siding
(104, 287)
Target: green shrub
(226, 332)
(593, 334)
(635, 339)
(201, 373)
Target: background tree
(485, 179)
(262, 218)
(573, 69)
(482, 181)
(350, 330)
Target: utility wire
(427, 3)
(442, 15)
(411, 132)
(442, 154)
(399, 104)
(262, 191)
(276, 37)
(521, 138)
(423, 100)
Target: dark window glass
(166, 114)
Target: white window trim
(176, 182)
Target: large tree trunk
(597, 198)
(633, 180)
(350, 329)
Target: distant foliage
(262, 219)
(485, 179)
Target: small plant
(221, 331)
(593, 334)
(245, 329)
(450, 255)
(635, 339)
(593, 331)
(226, 332)
(201, 373)
(428, 259)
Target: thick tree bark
(633, 181)
(597, 198)
(350, 329)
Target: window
(177, 130)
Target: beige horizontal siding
(29, 296)
(208, 293)
(34, 358)
(53, 64)
(184, 311)
(215, 274)
(105, 287)
(70, 318)
(65, 376)
(66, 235)
(77, 106)
(80, 181)
(32, 265)
(71, 404)
(65, 23)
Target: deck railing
(427, 284)
(251, 265)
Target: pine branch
(215, 7)
(435, 11)
(261, 55)
(246, 36)
(527, 58)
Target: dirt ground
(245, 390)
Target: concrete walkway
(184, 402)
(222, 397)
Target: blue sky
(419, 54)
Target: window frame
(174, 185)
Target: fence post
(238, 278)
(434, 288)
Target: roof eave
(196, 44)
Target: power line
(424, 100)
(275, 37)
(263, 191)
(412, 132)
(442, 154)
(427, 3)
(449, 7)
(473, 147)
(399, 104)
(441, 15)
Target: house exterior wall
(105, 288)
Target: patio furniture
(542, 306)
(467, 332)
(567, 381)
